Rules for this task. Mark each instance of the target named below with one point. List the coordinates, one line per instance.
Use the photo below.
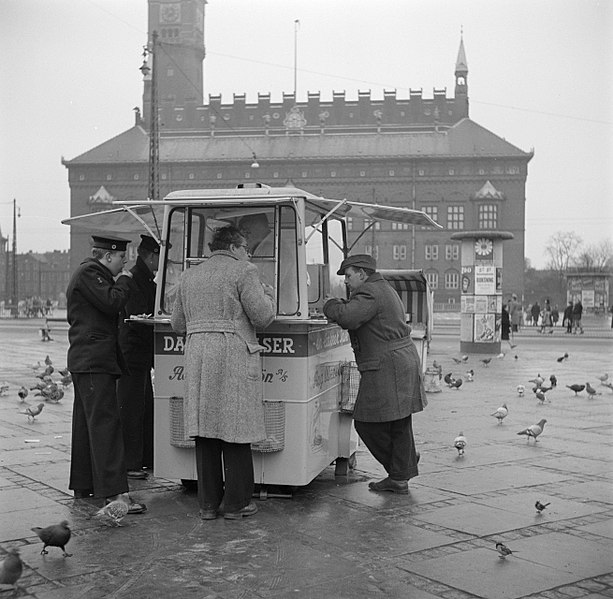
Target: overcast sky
(540, 75)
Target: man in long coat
(391, 387)
(94, 300)
(135, 389)
(219, 304)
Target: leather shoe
(208, 514)
(139, 474)
(388, 484)
(83, 493)
(248, 510)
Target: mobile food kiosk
(304, 357)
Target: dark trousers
(216, 461)
(135, 397)
(97, 454)
(392, 445)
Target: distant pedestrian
(611, 311)
(535, 311)
(555, 315)
(577, 315)
(567, 319)
(515, 312)
(546, 323)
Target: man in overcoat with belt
(94, 300)
(391, 387)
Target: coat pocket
(373, 364)
(254, 362)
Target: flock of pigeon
(540, 389)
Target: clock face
(483, 247)
(170, 13)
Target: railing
(446, 307)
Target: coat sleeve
(107, 297)
(177, 318)
(353, 313)
(258, 306)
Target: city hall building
(419, 151)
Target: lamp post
(154, 133)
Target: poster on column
(485, 326)
(485, 280)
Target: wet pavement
(335, 538)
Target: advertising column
(481, 281)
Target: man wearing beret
(96, 293)
(134, 390)
(391, 387)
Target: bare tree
(598, 256)
(563, 249)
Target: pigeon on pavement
(470, 375)
(538, 380)
(115, 511)
(501, 355)
(534, 430)
(540, 506)
(590, 390)
(503, 550)
(540, 396)
(456, 383)
(501, 413)
(609, 385)
(486, 361)
(52, 393)
(48, 360)
(11, 568)
(448, 378)
(465, 358)
(23, 393)
(521, 389)
(460, 443)
(56, 535)
(563, 357)
(604, 377)
(4, 388)
(456, 360)
(553, 380)
(34, 411)
(576, 388)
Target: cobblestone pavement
(335, 538)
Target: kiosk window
(171, 270)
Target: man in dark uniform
(391, 387)
(134, 390)
(94, 299)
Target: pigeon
(521, 389)
(456, 383)
(604, 377)
(52, 393)
(66, 379)
(516, 357)
(465, 358)
(456, 360)
(460, 443)
(34, 411)
(23, 393)
(34, 367)
(576, 388)
(553, 380)
(449, 378)
(503, 550)
(486, 361)
(501, 413)
(590, 390)
(540, 506)
(538, 380)
(501, 355)
(40, 385)
(48, 360)
(115, 511)
(609, 385)
(563, 357)
(4, 388)
(470, 375)
(534, 431)
(46, 373)
(540, 396)
(56, 535)
(438, 368)
(11, 568)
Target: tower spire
(461, 79)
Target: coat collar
(224, 253)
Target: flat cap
(358, 261)
(113, 244)
(149, 244)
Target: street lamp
(154, 134)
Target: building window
(377, 226)
(513, 170)
(333, 173)
(452, 280)
(481, 171)
(349, 223)
(399, 252)
(372, 251)
(136, 177)
(391, 173)
(109, 177)
(190, 176)
(362, 173)
(432, 278)
(431, 251)
(432, 212)
(304, 174)
(452, 171)
(247, 174)
(452, 252)
(170, 72)
(400, 226)
(421, 172)
(488, 216)
(455, 217)
(81, 177)
(219, 175)
(275, 175)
